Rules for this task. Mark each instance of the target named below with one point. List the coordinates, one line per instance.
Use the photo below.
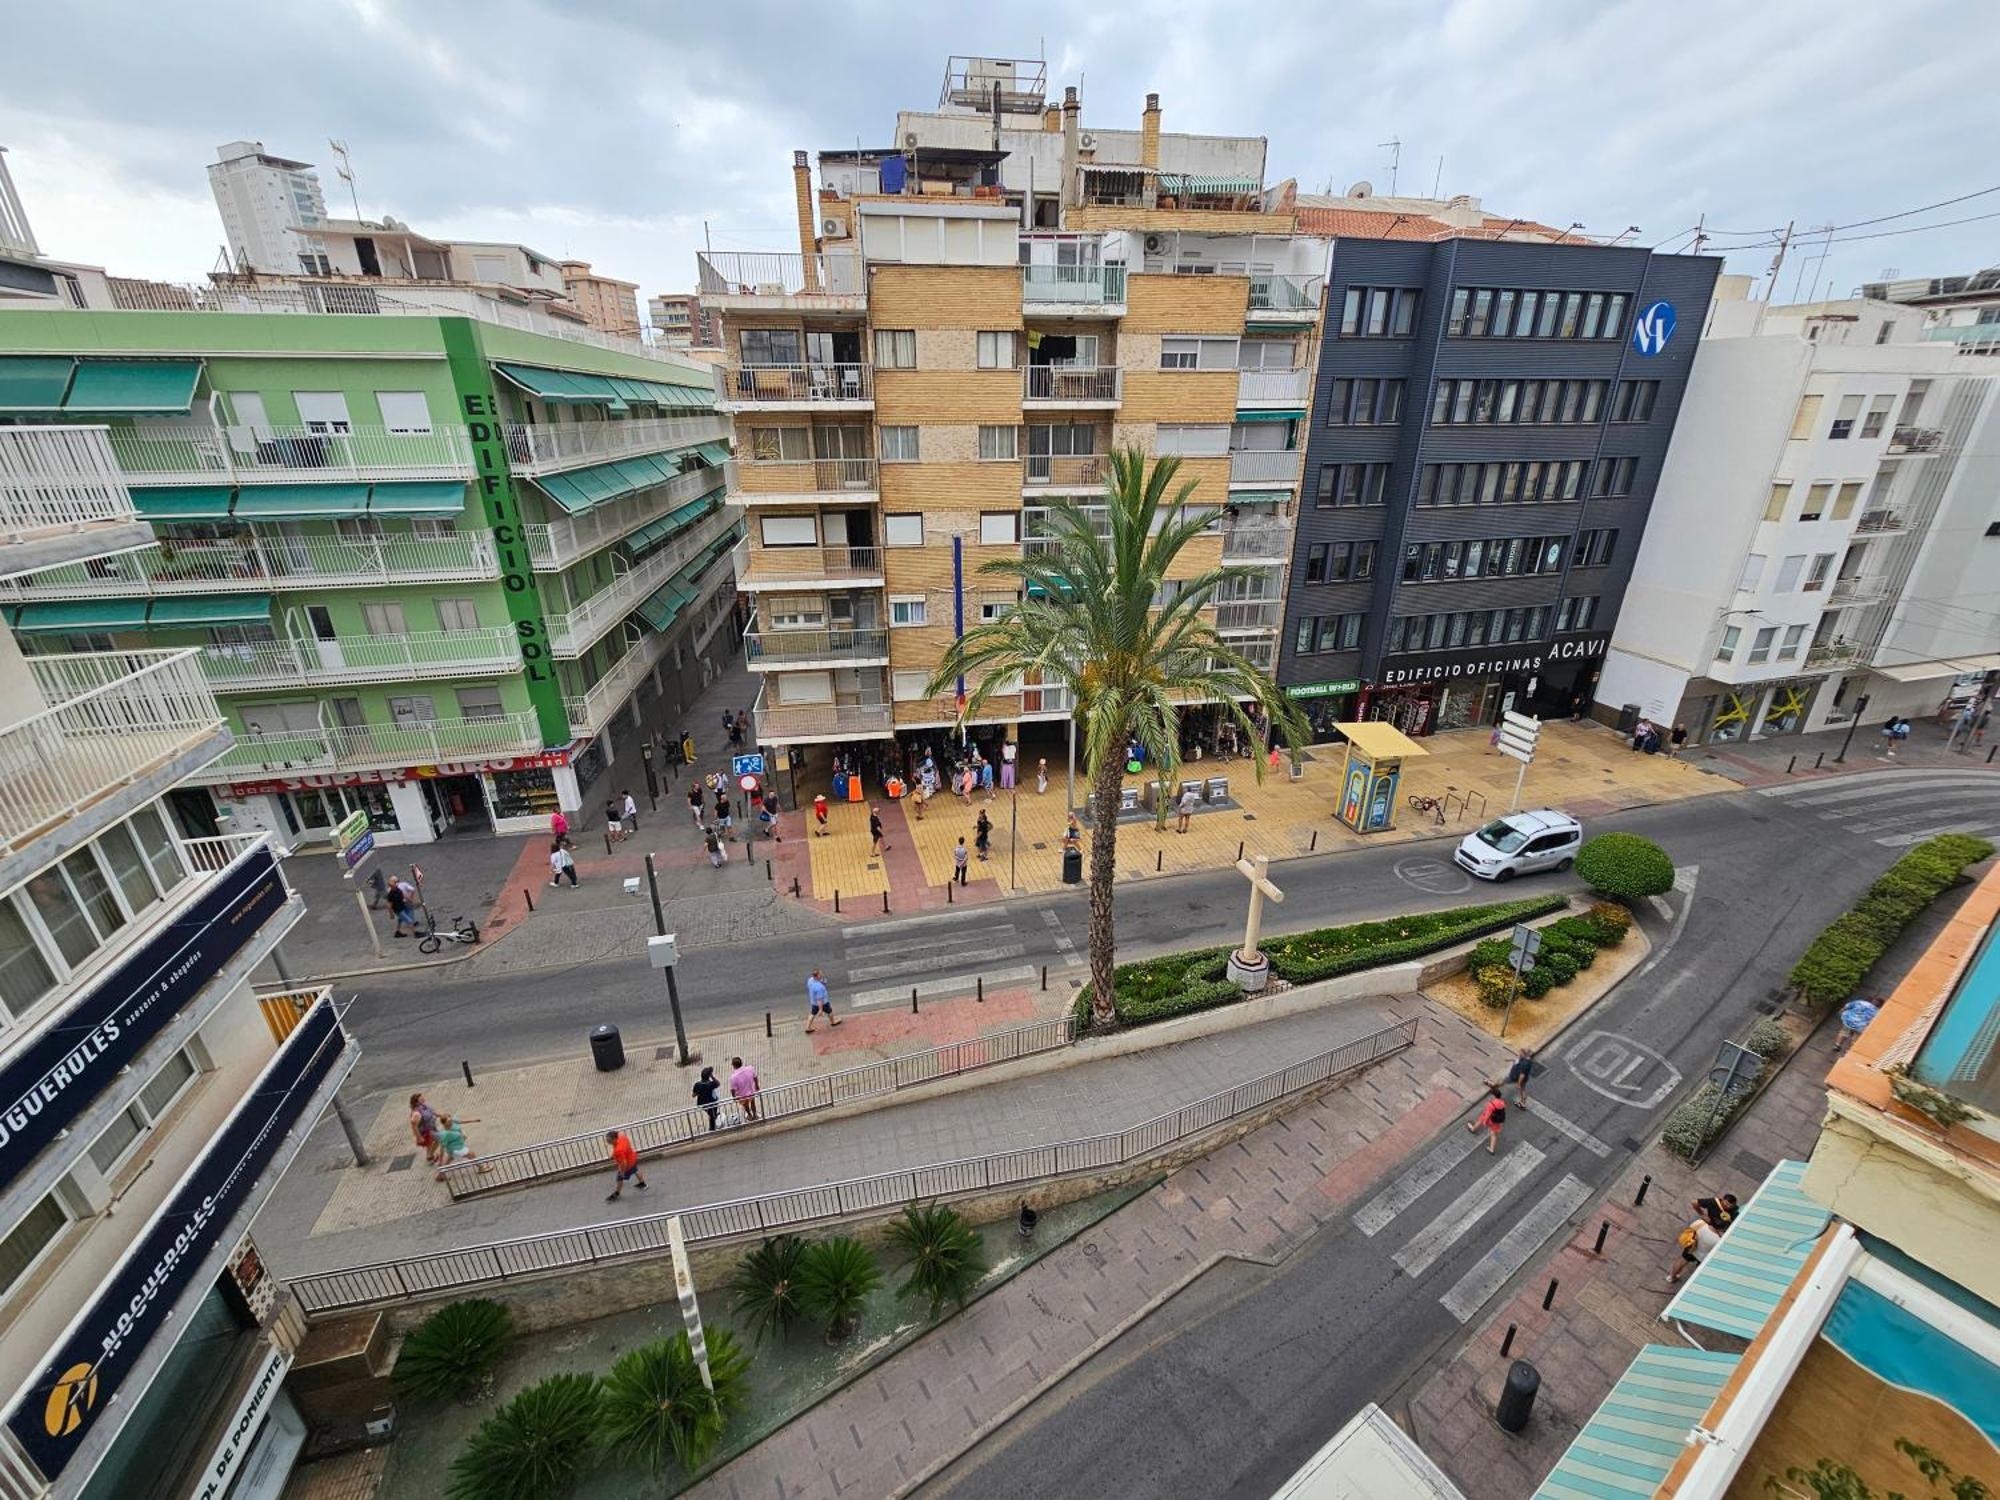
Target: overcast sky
(612, 134)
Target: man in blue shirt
(818, 999)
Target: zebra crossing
(1898, 808)
(941, 955)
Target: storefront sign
(47, 1083)
(540, 759)
(1491, 661)
(81, 1379)
(1327, 689)
(244, 1426)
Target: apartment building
(1959, 310)
(976, 316)
(152, 1099)
(1826, 532)
(681, 322)
(1493, 405)
(425, 561)
(607, 304)
(264, 201)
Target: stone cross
(1254, 870)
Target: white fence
(171, 454)
(58, 478)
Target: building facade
(425, 561)
(152, 1099)
(681, 322)
(607, 304)
(1491, 417)
(264, 200)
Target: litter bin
(1072, 867)
(1628, 717)
(1517, 1397)
(607, 1049)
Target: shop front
(410, 805)
(1720, 713)
(1428, 692)
(1325, 705)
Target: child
(561, 863)
(1041, 777)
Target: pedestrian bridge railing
(445, 1272)
(573, 1155)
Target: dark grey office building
(1488, 425)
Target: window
(1843, 419)
(898, 445)
(1806, 417)
(28, 1241)
(1340, 562)
(1576, 613)
(903, 531)
(1500, 557)
(1847, 498)
(1364, 402)
(1316, 563)
(997, 350)
(1913, 403)
(1494, 402)
(788, 531)
(1594, 548)
(384, 619)
(908, 609)
(1878, 416)
(416, 709)
(995, 606)
(1189, 352)
(457, 614)
(1635, 400)
(480, 702)
(1822, 564)
(404, 411)
(1774, 507)
(792, 611)
(1788, 573)
(908, 687)
(1815, 506)
(770, 445)
(1731, 634)
(896, 348)
(162, 857)
(1753, 571)
(25, 975)
(1478, 312)
(1317, 633)
(1344, 485)
(1193, 440)
(999, 527)
(1267, 354)
(123, 1133)
(1760, 645)
(1615, 477)
(120, 853)
(999, 443)
(1379, 312)
(770, 346)
(1788, 648)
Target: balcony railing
(1265, 466)
(571, 633)
(112, 716)
(556, 544)
(1073, 285)
(801, 564)
(589, 713)
(818, 720)
(1835, 654)
(1063, 471)
(1061, 384)
(265, 560)
(536, 447)
(1248, 614)
(777, 273)
(778, 385)
(807, 476)
(1915, 439)
(415, 743)
(1880, 523)
(1273, 387)
(1256, 539)
(1278, 293)
(158, 453)
(58, 479)
(431, 653)
(220, 851)
(1856, 590)
(781, 648)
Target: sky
(625, 133)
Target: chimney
(1072, 145)
(802, 195)
(1149, 133)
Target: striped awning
(1639, 1432)
(1737, 1286)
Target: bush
(1836, 962)
(1768, 1038)
(835, 1278)
(1496, 985)
(766, 1286)
(1538, 981)
(1562, 965)
(1611, 920)
(536, 1447)
(453, 1351)
(1625, 866)
(1683, 1132)
(655, 1407)
(947, 1258)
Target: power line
(1764, 239)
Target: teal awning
(559, 386)
(133, 385)
(1183, 182)
(580, 489)
(34, 383)
(648, 537)
(1638, 1434)
(1279, 414)
(437, 497)
(280, 501)
(198, 502)
(716, 453)
(1259, 497)
(211, 609)
(1737, 1286)
(66, 615)
(661, 606)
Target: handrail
(585, 1152)
(387, 1282)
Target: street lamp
(663, 954)
(1860, 708)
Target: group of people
(441, 1137)
(1646, 737)
(715, 831)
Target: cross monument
(1247, 966)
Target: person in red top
(624, 1163)
(1492, 1114)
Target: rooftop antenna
(1700, 234)
(1578, 224)
(1437, 180)
(345, 172)
(1394, 146)
(1628, 229)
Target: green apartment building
(427, 560)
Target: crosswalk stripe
(862, 952)
(1061, 939)
(856, 932)
(1869, 781)
(1917, 798)
(1536, 1110)
(1865, 820)
(1899, 791)
(1901, 840)
(951, 984)
(1436, 1164)
(1466, 1210)
(859, 973)
(1511, 1251)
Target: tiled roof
(1362, 224)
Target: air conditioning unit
(833, 229)
(1087, 141)
(909, 140)
(1156, 244)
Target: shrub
(1487, 954)
(766, 1286)
(535, 1447)
(1768, 1038)
(1625, 866)
(1537, 982)
(1610, 919)
(1496, 985)
(1683, 1134)
(451, 1353)
(655, 1407)
(1836, 962)
(835, 1278)
(1562, 966)
(946, 1255)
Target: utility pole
(673, 989)
(354, 1146)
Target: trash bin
(1517, 1397)
(1628, 717)
(840, 786)
(607, 1049)
(1072, 867)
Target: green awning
(278, 501)
(1259, 497)
(437, 497)
(661, 606)
(1739, 1283)
(67, 615)
(559, 386)
(1639, 1433)
(648, 537)
(1283, 414)
(1185, 183)
(34, 383)
(211, 609)
(198, 502)
(133, 385)
(716, 453)
(580, 489)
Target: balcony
(1055, 471)
(1276, 298)
(167, 454)
(554, 545)
(367, 658)
(113, 717)
(1265, 466)
(771, 650)
(1917, 440)
(1856, 590)
(1075, 291)
(788, 480)
(59, 481)
(1836, 654)
(1274, 388)
(542, 447)
(265, 561)
(789, 567)
(1260, 540)
(357, 747)
(572, 632)
(1071, 385)
(593, 710)
(802, 722)
(798, 388)
(1248, 614)
(771, 278)
(1881, 523)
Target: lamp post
(673, 989)
(1860, 708)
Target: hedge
(1625, 866)
(1569, 946)
(1832, 968)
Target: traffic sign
(747, 765)
(1519, 735)
(748, 783)
(352, 854)
(1527, 943)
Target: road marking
(862, 952)
(1876, 780)
(1536, 1110)
(858, 973)
(953, 984)
(1434, 876)
(1490, 1272)
(1616, 1067)
(1899, 840)
(1061, 939)
(1436, 1163)
(1898, 791)
(1980, 808)
(1466, 1210)
(930, 921)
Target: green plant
(1942, 1109)
(1496, 985)
(1625, 866)
(451, 1352)
(1688, 1128)
(766, 1286)
(535, 1447)
(946, 1255)
(1768, 1038)
(1831, 1479)
(1563, 966)
(655, 1407)
(1836, 962)
(835, 1278)
(1538, 981)
(1611, 919)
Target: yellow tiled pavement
(841, 861)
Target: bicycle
(462, 931)
(1427, 805)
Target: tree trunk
(1103, 871)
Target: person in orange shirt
(624, 1163)
(1492, 1115)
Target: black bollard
(1159, 860)
(767, 870)
(1603, 1228)
(1507, 1343)
(979, 993)
(468, 1074)
(1239, 850)
(1549, 1297)
(949, 900)
(1791, 764)
(1644, 1183)
(529, 897)
(885, 903)
(836, 903)
(767, 1024)
(1517, 1397)
(1045, 976)
(1315, 842)
(1819, 760)
(913, 999)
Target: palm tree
(1094, 617)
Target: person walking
(1008, 750)
(630, 808)
(982, 835)
(743, 1087)
(724, 818)
(959, 856)
(1519, 1072)
(695, 801)
(1695, 1241)
(424, 1128)
(1073, 834)
(986, 777)
(1492, 1115)
(877, 844)
(561, 863)
(614, 821)
(742, 724)
(1190, 800)
(705, 1090)
(399, 908)
(1042, 777)
(624, 1164)
(558, 825)
(452, 1146)
(818, 1000)
(687, 748)
(718, 855)
(1719, 1213)
(819, 815)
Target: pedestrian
(986, 777)
(451, 1144)
(818, 1000)
(614, 821)
(624, 1163)
(769, 815)
(1190, 800)
(695, 800)
(982, 835)
(742, 724)
(631, 812)
(1677, 741)
(1041, 776)
(561, 863)
(743, 1087)
(724, 818)
(958, 859)
(705, 1089)
(1719, 1213)
(961, 782)
(1854, 1018)
(1979, 724)
(1519, 1072)
(728, 721)
(876, 843)
(1492, 1114)
(718, 855)
(378, 890)
(687, 748)
(558, 825)
(819, 815)
(424, 1128)
(399, 908)
(1072, 835)
(1695, 1241)
(1008, 750)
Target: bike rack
(1465, 800)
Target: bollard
(913, 999)
(529, 897)
(1507, 1343)
(1603, 1228)
(767, 1024)
(948, 899)
(1819, 760)
(1045, 976)
(1644, 1183)
(1517, 1399)
(607, 845)
(1990, 754)
(1549, 1297)
(795, 885)
(1159, 860)
(1791, 764)
(836, 902)
(767, 871)
(979, 992)
(1239, 851)
(468, 1074)
(885, 903)
(1315, 843)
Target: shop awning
(1737, 1287)
(1282, 414)
(438, 497)
(661, 606)
(65, 615)
(34, 383)
(1640, 1431)
(199, 502)
(133, 385)
(211, 609)
(291, 501)
(559, 386)
(1926, 671)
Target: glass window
(1503, 314)
(1614, 316)
(1482, 310)
(1775, 503)
(1461, 303)
(121, 852)
(908, 609)
(1816, 501)
(903, 530)
(788, 531)
(1760, 646)
(1843, 422)
(482, 702)
(1572, 314)
(119, 1136)
(457, 614)
(1404, 321)
(1788, 573)
(999, 527)
(27, 1240)
(1593, 314)
(996, 350)
(999, 442)
(899, 444)
(907, 687)
(63, 916)
(780, 444)
(770, 346)
(1789, 647)
(25, 975)
(896, 348)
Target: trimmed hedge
(1625, 866)
(1832, 968)
(1569, 946)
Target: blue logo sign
(747, 765)
(1654, 327)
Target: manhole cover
(403, 1163)
(1751, 1165)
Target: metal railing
(266, 560)
(1275, 292)
(1856, 590)
(779, 384)
(538, 446)
(776, 721)
(416, 1275)
(1879, 522)
(1273, 387)
(798, 564)
(216, 852)
(112, 715)
(1915, 440)
(772, 648)
(1073, 285)
(585, 1152)
(1835, 653)
(1265, 465)
(571, 633)
(1248, 614)
(553, 545)
(806, 476)
(166, 454)
(1256, 539)
(777, 273)
(589, 711)
(59, 479)
(1063, 471)
(1071, 383)
(423, 653)
(353, 746)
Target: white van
(1521, 843)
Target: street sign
(352, 854)
(1527, 943)
(747, 765)
(350, 828)
(1519, 735)
(690, 1309)
(1736, 1069)
(748, 783)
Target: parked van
(1521, 843)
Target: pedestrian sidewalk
(1794, 757)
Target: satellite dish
(1362, 189)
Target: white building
(1827, 527)
(262, 199)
